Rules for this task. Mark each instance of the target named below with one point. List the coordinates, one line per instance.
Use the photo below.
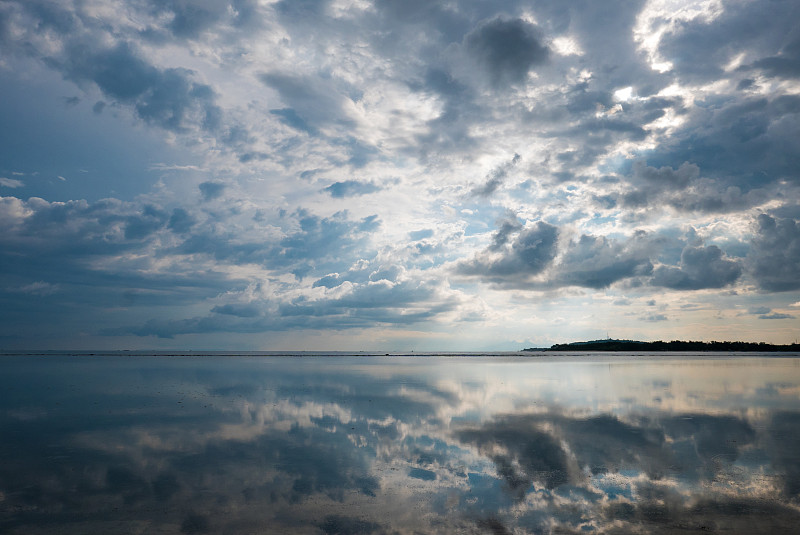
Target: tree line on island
(674, 345)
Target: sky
(397, 175)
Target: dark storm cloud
(168, 98)
(700, 267)
(507, 49)
(786, 64)
(742, 148)
(519, 253)
(598, 262)
(701, 48)
(351, 188)
(774, 259)
(530, 252)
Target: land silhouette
(674, 345)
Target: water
(390, 444)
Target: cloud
(598, 262)
(422, 234)
(40, 288)
(776, 316)
(168, 98)
(212, 190)
(774, 258)
(578, 118)
(700, 267)
(11, 182)
(528, 254)
(743, 150)
(243, 310)
(652, 181)
(496, 178)
(518, 254)
(786, 64)
(314, 102)
(734, 30)
(507, 49)
(351, 188)
(181, 220)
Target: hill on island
(674, 345)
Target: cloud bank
(242, 172)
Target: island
(674, 345)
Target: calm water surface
(355, 444)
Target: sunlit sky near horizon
(353, 174)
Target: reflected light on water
(606, 444)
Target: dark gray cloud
(774, 259)
(701, 48)
(742, 149)
(496, 178)
(212, 190)
(507, 49)
(700, 267)
(598, 262)
(530, 252)
(168, 98)
(786, 64)
(776, 316)
(243, 310)
(519, 253)
(181, 221)
(189, 19)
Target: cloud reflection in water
(396, 445)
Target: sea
(361, 443)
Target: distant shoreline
(674, 345)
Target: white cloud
(11, 182)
